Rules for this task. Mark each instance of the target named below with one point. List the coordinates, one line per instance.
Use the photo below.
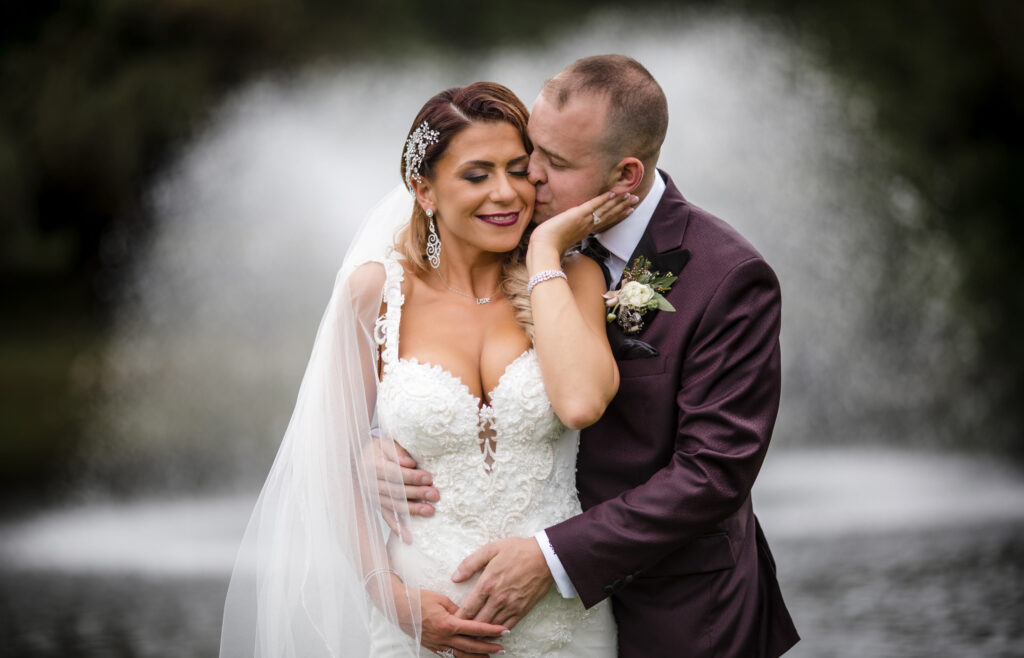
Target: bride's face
(480, 190)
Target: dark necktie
(593, 248)
(623, 347)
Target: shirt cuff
(562, 582)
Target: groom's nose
(535, 172)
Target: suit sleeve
(728, 398)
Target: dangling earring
(433, 242)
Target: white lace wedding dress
(504, 469)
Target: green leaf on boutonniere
(639, 292)
(663, 304)
(663, 282)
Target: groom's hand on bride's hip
(515, 576)
(402, 488)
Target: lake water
(880, 553)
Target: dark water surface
(951, 592)
(954, 592)
(67, 615)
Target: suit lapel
(662, 240)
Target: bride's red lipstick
(503, 219)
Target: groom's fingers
(402, 471)
(479, 559)
(393, 462)
(397, 496)
(396, 526)
(399, 482)
(475, 562)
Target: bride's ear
(424, 194)
(627, 175)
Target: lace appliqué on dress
(496, 465)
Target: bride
(480, 348)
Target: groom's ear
(627, 175)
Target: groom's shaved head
(637, 116)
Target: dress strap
(386, 328)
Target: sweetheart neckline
(477, 400)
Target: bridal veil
(310, 579)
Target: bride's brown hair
(450, 112)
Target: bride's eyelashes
(478, 178)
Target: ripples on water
(879, 554)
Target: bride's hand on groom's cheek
(571, 226)
(515, 576)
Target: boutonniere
(641, 291)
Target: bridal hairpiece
(415, 149)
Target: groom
(668, 531)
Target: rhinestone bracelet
(379, 572)
(540, 277)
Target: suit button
(608, 589)
(629, 579)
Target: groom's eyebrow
(550, 154)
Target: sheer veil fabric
(308, 580)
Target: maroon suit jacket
(665, 476)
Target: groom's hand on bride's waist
(402, 488)
(515, 576)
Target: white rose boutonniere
(641, 291)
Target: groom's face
(568, 164)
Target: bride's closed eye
(474, 177)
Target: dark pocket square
(625, 348)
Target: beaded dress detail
(504, 468)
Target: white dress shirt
(620, 241)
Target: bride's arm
(579, 369)
(431, 613)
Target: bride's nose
(503, 192)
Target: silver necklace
(478, 300)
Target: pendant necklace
(478, 300)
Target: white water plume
(254, 218)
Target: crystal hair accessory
(415, 150)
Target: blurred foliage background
(96, 96)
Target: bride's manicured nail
(506, 633)
(457, 576)
(425, 479)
